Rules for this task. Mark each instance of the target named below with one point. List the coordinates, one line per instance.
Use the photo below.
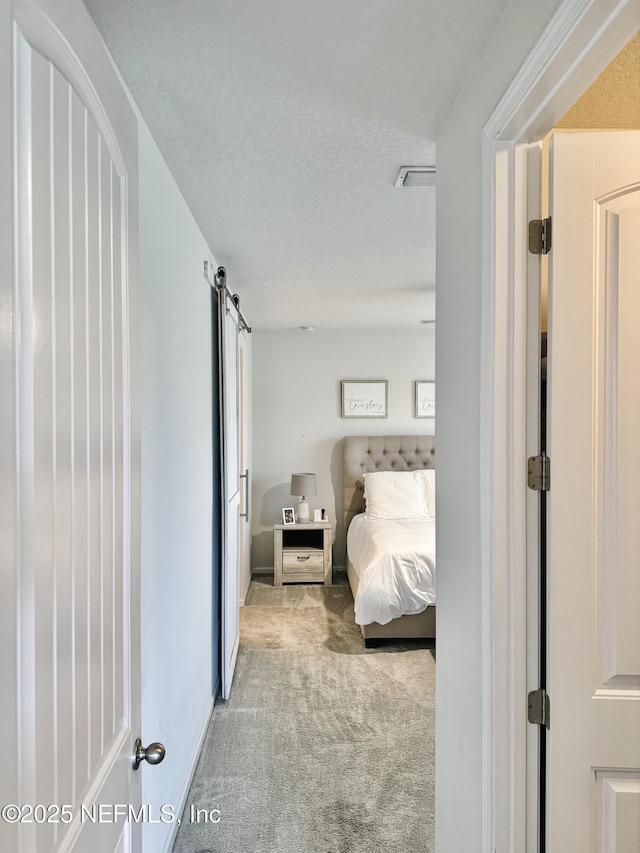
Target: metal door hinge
(539, 708)
(540, 236)
(539, 473)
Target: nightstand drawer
(302, 561)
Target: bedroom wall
(463, 349)
(177, 678)
(296, 418)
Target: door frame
(578, 43)
(9, 667)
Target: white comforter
(396, 565)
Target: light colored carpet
(324, 746)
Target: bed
(369, 454)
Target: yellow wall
(613, 100)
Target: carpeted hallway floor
(324, 746)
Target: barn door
(246, 463)
(229, 329)
(593, 506)
(76, 436)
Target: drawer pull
(303, 558)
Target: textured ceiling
(285, 123)
(613, 100)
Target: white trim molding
(578, 43)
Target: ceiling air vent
(416, 176)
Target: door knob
(154, 753)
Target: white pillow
(395, 494)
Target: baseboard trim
(171, 836)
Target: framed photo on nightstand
(288, 515)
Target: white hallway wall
(176, 405)
(297, 422)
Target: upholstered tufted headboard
(364, 453)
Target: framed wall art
(364, 398)
(425, 399)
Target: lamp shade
(303, 484)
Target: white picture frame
(364, 398)
(425, 398)
(288, 515)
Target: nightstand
(302, 553)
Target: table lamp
(303, 485)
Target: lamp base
(303, 512)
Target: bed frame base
(419, 626)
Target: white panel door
(231, 492)
(594, 503)
(76, 435)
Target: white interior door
(76, 436)
(594, 502)
(231, 491)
